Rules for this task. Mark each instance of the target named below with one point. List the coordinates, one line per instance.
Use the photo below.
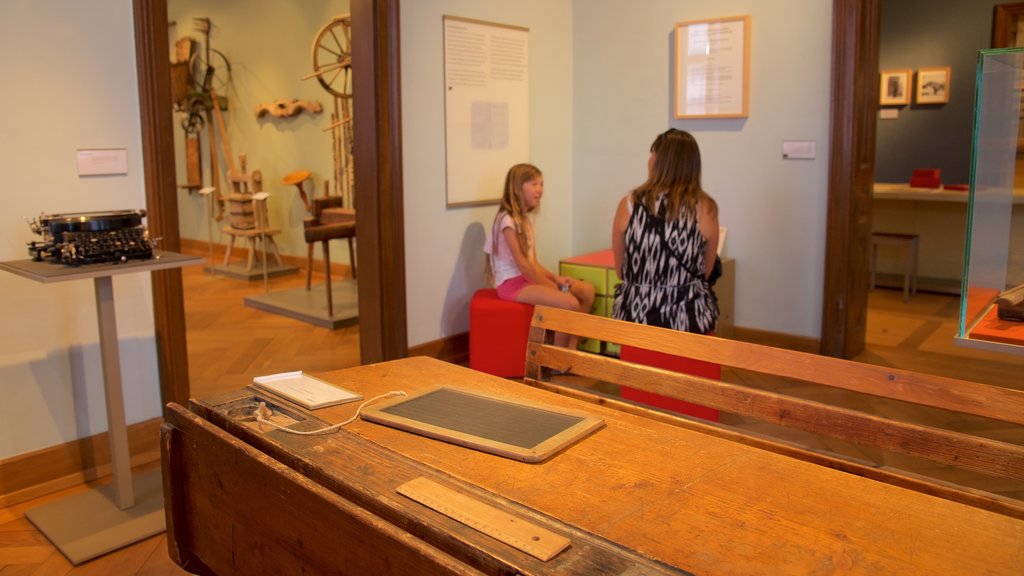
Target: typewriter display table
(101, 520)
(636, 497)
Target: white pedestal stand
(103, 519)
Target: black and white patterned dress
(663, 280)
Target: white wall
(69, 83)
(600, 82)
(444, 246)
(775, 209)
(268, 44)
(599, 78)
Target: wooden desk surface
(700, 503)
(898, 191)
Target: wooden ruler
(512, 530)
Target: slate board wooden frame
(581, 425)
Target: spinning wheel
(332, 56)
(201, 74)
(332, 67)
(210, 70)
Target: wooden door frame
(851, 176)
(379, 187)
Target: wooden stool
(252, 237)
(260, 230)
(909, 244)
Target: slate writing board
(514, 429)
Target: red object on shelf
(676, 364)
(926, 178)
(498, 331)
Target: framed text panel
(712, 68)
(487, 115)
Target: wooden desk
(895, 191)
(240, 499)
(939, 217)
(96, 522)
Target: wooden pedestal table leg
(327, 278)
(309, 265)
(252, 253)
(352, 257)
(231, 246)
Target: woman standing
(664, 238)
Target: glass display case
(994, 255)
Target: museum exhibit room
(571, 287)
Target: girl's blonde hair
(512, 204)
(676, 172)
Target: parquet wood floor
(229, 343)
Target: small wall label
(102, 161)
(798, 149)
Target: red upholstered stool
(676, 364)
(498, 330)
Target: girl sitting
(512, 263)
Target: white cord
(263, 414)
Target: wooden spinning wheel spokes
(332, 56)
(214, 73)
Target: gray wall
(924, 33)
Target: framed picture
(712, 68)
(895, 88)
(932, 86)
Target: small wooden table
(99, 521)
(639, 494)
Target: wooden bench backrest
(946, 447)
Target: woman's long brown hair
(676, 172)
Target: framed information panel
(712, 68)
(487, 114)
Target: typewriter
(91, 237)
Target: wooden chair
(329, 220)
(546, 366)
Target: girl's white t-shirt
(503, 265)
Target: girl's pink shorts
(511, 288)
